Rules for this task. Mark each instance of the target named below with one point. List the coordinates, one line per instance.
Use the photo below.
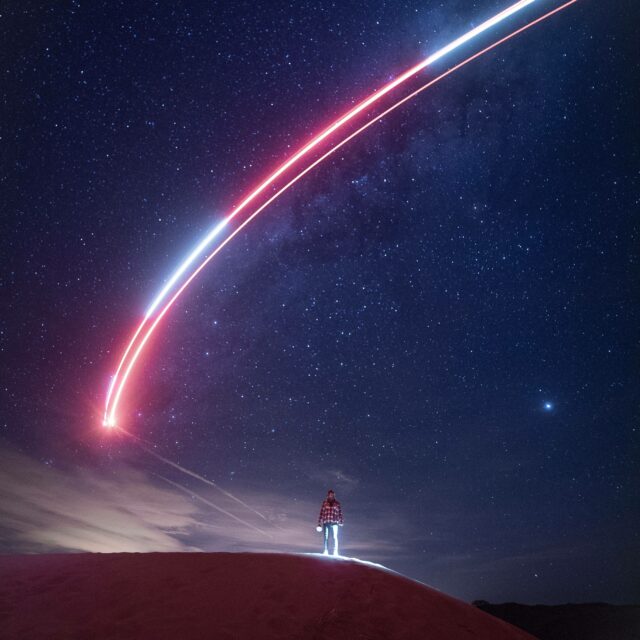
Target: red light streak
(120, 382)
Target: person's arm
(320, 516)
(340, 518)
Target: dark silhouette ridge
(590, 621)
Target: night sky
(440, 322)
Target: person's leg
(335, 539)
(325, 531)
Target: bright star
(548, 406)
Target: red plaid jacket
(330, 513)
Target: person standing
(329, 520)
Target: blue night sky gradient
(440, 322)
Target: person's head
(331, 496)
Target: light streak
(144, 445)
(109, 421)
(213, 505)
(197, 476)
(186, 264)
(492, 22)
(111, 407)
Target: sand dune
(226, 596)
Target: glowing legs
(326, 529)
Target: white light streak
(208, 239)
(492, 22)
(140, 338)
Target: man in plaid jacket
(329, 520)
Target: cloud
(292, 527)
(340, 478)
(49, 509)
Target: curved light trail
(119, 381)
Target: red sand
(224, 596)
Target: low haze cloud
(46, 509)
(49, 509)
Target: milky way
(393, 328)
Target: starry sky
(440, 322)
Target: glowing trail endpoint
(111, 406)
(109, 421)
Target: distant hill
(571, 621)
(225, 596)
